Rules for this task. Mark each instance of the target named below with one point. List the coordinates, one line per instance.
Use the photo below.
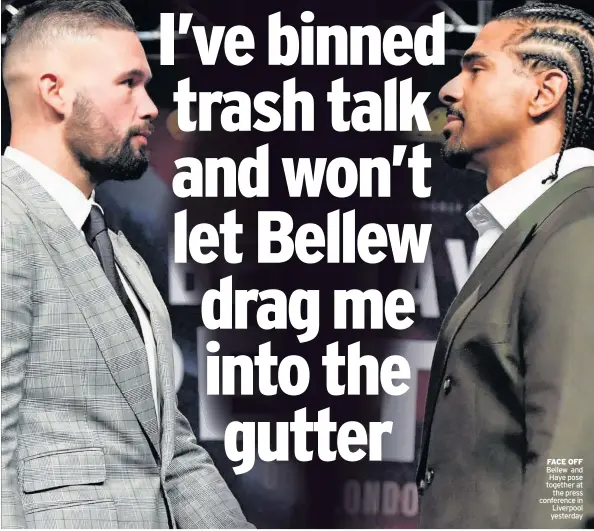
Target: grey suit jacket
(80, 443)
(512, 380)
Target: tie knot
(95, 223)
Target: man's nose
(451, 92)
(148, 109)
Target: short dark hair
(559, 36)
(41, 21)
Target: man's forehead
(495, 35)
(115, 51)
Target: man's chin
(132, 166)
(456, 156)
(129, 170)
(456, 159)
(132, 173)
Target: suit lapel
(505, 250)
(147, 292)
(485, 276)
(482, 279)
(111, 326)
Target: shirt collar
(507, 202)
(74, 203)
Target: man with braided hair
(508, 436)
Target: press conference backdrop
(377, 494)
(276, 494)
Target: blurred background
(358, 495)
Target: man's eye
(129, 82)
(474, 70)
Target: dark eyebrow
(471, 57)
(136, 72)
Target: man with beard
(509, 425)
(91, 433)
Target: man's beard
(85, 134)
(455, 153)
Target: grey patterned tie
(97, 237)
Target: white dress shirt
(77, 207)
(498, 210)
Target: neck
(509, 160)
(51, 151)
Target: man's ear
(51, 89)
(551, 87)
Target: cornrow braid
(556, 22)
(543, 12)
(588, 128)
(561, 65)
(577, 131)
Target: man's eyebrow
(471, 57)
(137, 72)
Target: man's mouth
(451, 125)
(452, 118)
(143, 133)
(453, 114)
